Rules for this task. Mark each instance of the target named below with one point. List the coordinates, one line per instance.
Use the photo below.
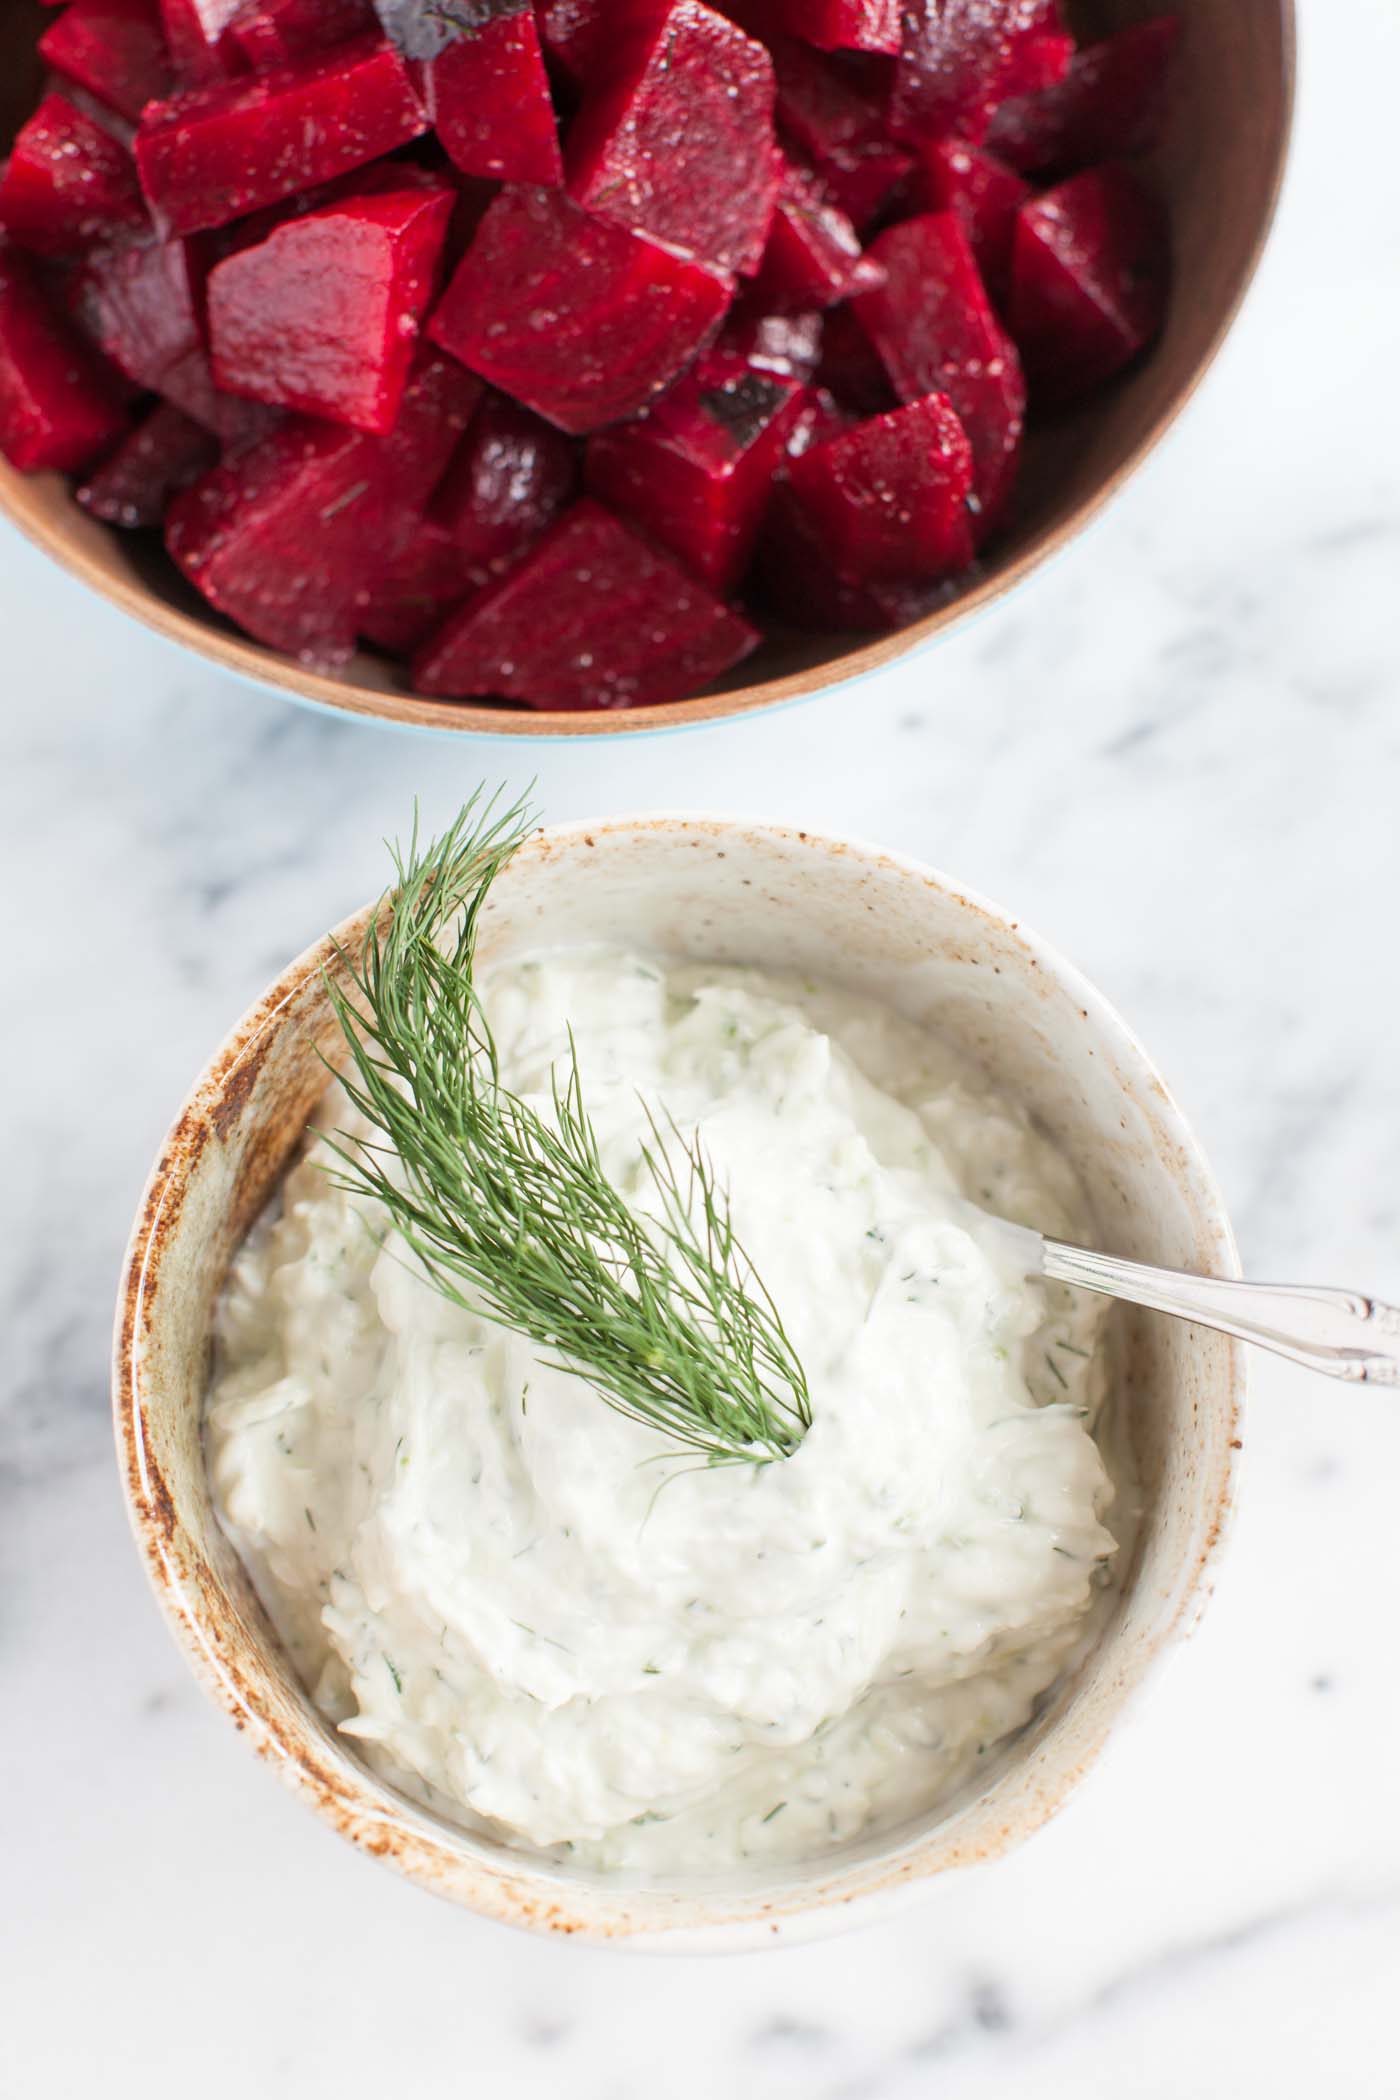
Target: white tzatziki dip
(466, 1552)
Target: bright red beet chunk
(69, 183)
(323, 315)
(580, 320)
(935, 330)
(788, 344)
(194, 31)
(677, 142)
(1110, 103)
(268, 33)
(889, 498)
(813, 258)
(479, 71)
(985, 197)
(1089, 273)
(114, 49)
(698, 471)
(957, 60)
(163, 455)
(412, 590)
(592, 616)
(842, 25)
(218, 152)
(801, 585)
(136, 304)
(510, 477)
(837, 116)
(57, 407)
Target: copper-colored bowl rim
(512, 1888)
(321, 690)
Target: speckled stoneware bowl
(733, 892)
(1219, 169)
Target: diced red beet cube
(788, 344)
(697, 472)
(934, 327)
(956, 59)
(439, 404)
(324, 314)
(593, 616)
(68, 183)
(1089, 272)
(137, 304)
(218, 152)
(163, 455)
(813, 258)
(836, 114)
(479, 71)
(817, 416)
(852, 368)
(1109, 104)
(58, 408)
(268, 33)
(841, 25)
(677, 140)
(114, 49)
(414, 588)
(984, 195)
(800, 584)
(509, 478)
(889, 499)
(282, 539)
(195, 32)
(1039, 60)
(578, 319)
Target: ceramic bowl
(1220, 171)
(732, 892)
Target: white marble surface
(1179, 755)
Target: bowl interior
(1219, 170)
(783, 900)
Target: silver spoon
(1339, 1332)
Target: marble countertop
(1178, 754)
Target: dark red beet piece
(677, 140)
(58, 408)
(934, 327)
(852, 368)
(984, 195)
(214, 154)
(438, 406)
(813, 258)
(194, 32)
(1038, 60)
(137, 305)
(479, 71)
(800, 585)
(837, 116)
(163, 455)
(511, 476)
(957, 57)
(68, 183)
(1110, 104)
(697, 472)
(592, 616)
(889, 499)
(575, 33)
(414, 588)
(841, 25)
(580, 320)
(1089, 273)
(268, 33)
(324, 314)
(114, 49)
(788, 344)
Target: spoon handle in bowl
(1339, 1332)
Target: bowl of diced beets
(604, 364)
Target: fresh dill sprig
(511, 1213)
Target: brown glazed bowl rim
(513, 1888)
(324, 692)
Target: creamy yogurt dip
(531, 1618)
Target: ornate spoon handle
(1338, 1332)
